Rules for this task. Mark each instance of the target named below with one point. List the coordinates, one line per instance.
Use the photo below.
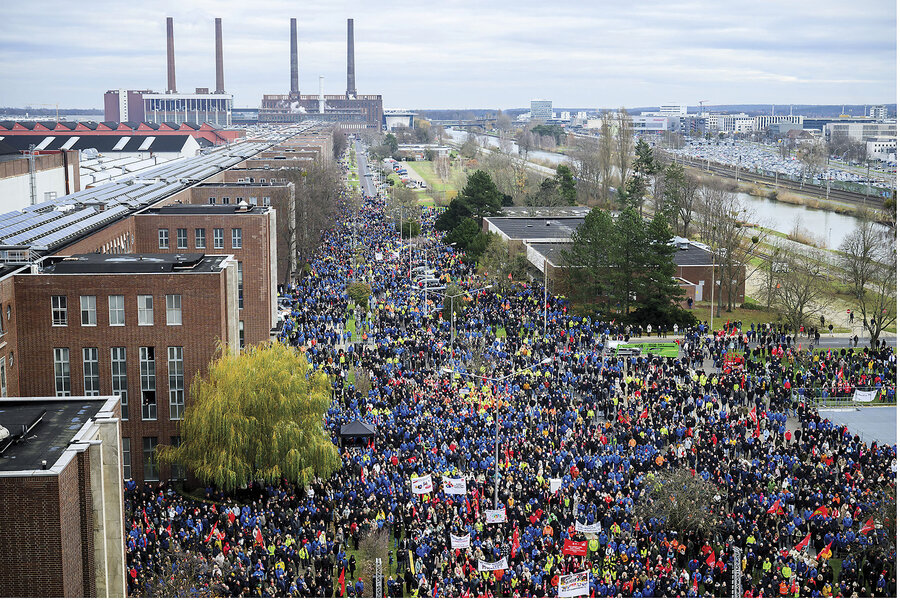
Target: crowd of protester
(582, 434)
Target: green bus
(664, 349)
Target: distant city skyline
(464, 54)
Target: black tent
(357, 429)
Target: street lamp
(497, 380)
(453, 313)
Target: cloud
(462, 53)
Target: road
(366, 183)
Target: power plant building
(201, 106)
(351, 111)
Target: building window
(212, 199)
(176, 382)
(119, 377)
(2, 321)
(240, 278)
(126, 458)
(226, 200)
(200, 238)
(148, 383)
(237, 237)
(90, 360)
(239, 199)
(181, 239)
(173, 309)
(60, 311)
(116, 311)
(253, 200)
(3, 376)
(262, 179)
(177, 469)
(89, 311)
(218, 238)
(61, 372)
(145, 309)
(163, 239)
(241, 335)
(267, 200)
(150, 472)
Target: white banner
(593, 528)
(861, 396)
(422, 485)
(555, 484)
(574, 584)
(459, 542)
(495, 516)
(454, 485)
(379, 256)
(494, 566)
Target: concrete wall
(50, 176)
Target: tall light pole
(498, 380)
(453, 297)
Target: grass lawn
(425, 168)
(745, 315)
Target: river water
(827, 228)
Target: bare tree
(813, 155)
(504, 123)
(687, 503)
(624, 145)
(317, 189)
(869, 258)
(182, 575)
(800, 290)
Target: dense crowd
(583, 433)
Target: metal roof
(49, 225)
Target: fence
(847, 398)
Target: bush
(751, 305)
(359, 292)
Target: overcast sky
(463, 54)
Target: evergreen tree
(565, 185)
(628, 254)
(479, 198)
(660, 288)
(589, 258)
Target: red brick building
(139, 326)
(61, 502)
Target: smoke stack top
(220, 67)
(351, 62)
(170, 54)
(295, 83)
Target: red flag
(515, 542)
(822, 510)
(841, 374)
(510, 276)
(711, 559)
(259, 538)
(575, 548)
(753, 414)
(434, 594)
(868, 527)
(221, 535)
(756, 433)
(644, 414)
(211, 533)
(146, 520)
(341, 581)
(824, 550)
(169, 529)
(803, 543)
(775, 508)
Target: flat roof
(207, 209)
(62, 419)
(691, 256)
(544, 211)
(525, 228)
(80, 264)
(552, 252)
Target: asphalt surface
(367, 183)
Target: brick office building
(244, 232)
(137, 326)
(279, 196)
(61, 502)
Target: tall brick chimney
(170, 54)
(351, 64)
(295, 79)
(220, 67)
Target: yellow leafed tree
(256, 416)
